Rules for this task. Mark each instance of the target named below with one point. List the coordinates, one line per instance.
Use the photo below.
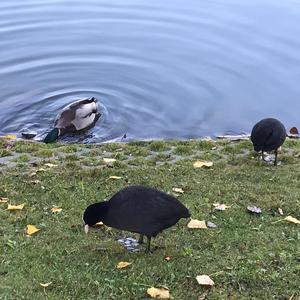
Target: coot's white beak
(86, 228)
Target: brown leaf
(294, 130)
(292, 220)
(218, 206)
(15, 207)
(196, 224)
(123, 264)
(159, 293)
(201, 163)
(178, 190)
(204, 280)
(31, 229)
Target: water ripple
(165, 69)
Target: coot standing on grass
(268, 135)
(74, 118)
(139, 209)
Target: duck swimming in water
(74, 118)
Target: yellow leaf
(44, 285)
(219, 206)
(10, 137)
(50, 165)
(159, 293)
(123, 264)
(178, 190)
(115, 177)
(204, 280)
(109, 160)
(31, 229)
(56, 209)
(3, 200)
(292, 220)
(99, 224)
(197, 224)
(201, 163)
(15, 207)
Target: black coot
(139, 209)
(268, 135)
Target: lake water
(160, 68)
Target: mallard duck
(139, 209)
(268, 135)
(74, 118)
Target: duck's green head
(52, 136)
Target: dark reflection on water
(161, 69)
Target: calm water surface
(160, 68)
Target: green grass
(247, 256)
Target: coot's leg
(275, 161)
(148, 244)
(141, 239)
(262, 155)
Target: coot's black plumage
(139, 209)
(268, 135)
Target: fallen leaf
(123, 264)
(32, 174)
(254, 209)
(204, 280)
(196, 224)
(10, 137)
(115, 177)
(31, 229)
(167, 258)
(44, 285)
(201, 163)
(3, 200)
(280, 211)
(50, 165)
(294, 130)
(178, 190)
(56, 209)
(292, 220)
(41, 170)
(159, 293)
(15, 207)
(109, 160)
(218, 206)
(99, 224)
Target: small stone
(254, 209)
(210, 224)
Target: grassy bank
(248, 256)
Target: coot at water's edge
(139, 209)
